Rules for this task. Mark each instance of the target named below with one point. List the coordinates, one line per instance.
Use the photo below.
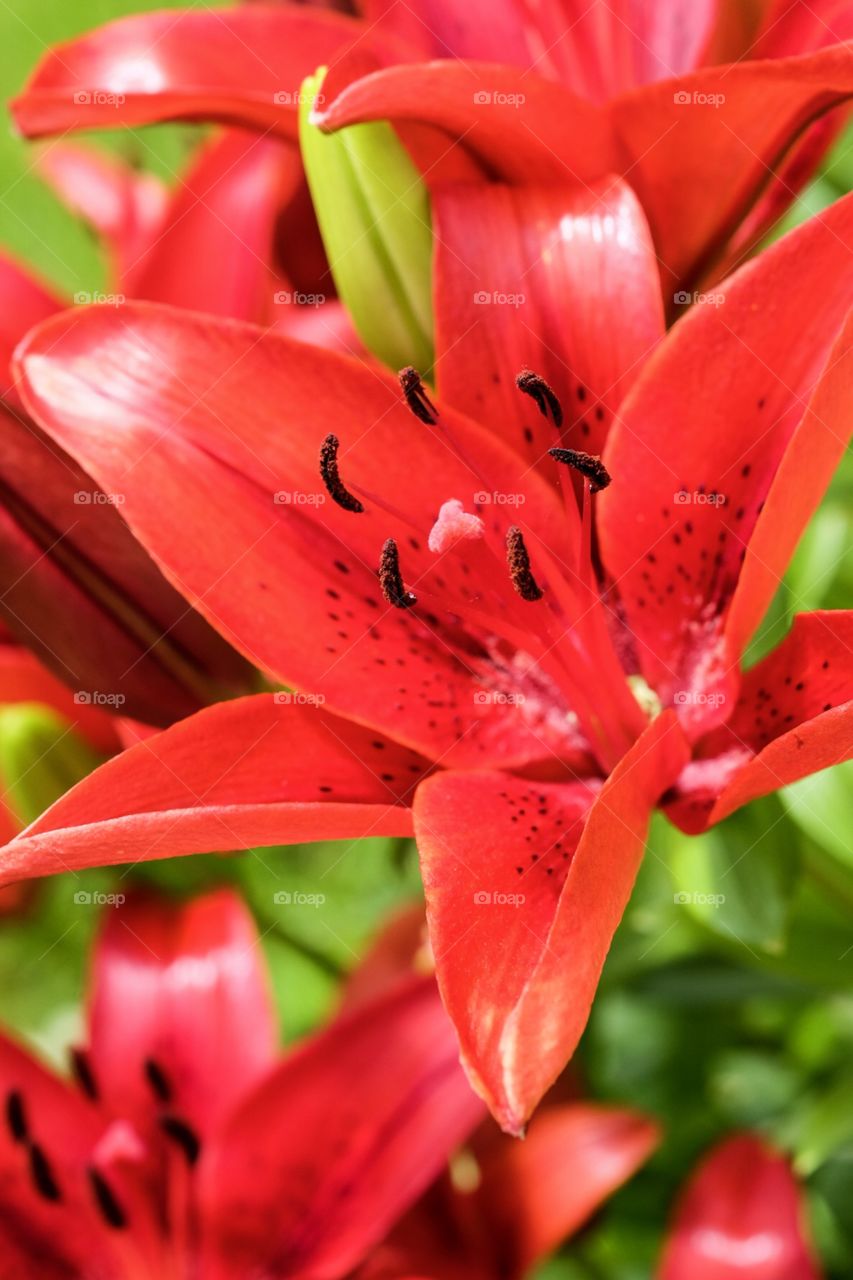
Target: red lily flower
(740, 1218)
(506, 682)
(188, 1148)
(579, 89)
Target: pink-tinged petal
(337, 1143)
(561, 280)
(182, 986)
(238, 66)
(49, 1226)
(214, 251)
(722, 451)
(521, 128)
(720, 130)
(536, 1193)
(741, 1217)
(525, 885)
(134, 646)
(325, 325)
(793, 717)
(401, 949)
(124, 205)
(220, 475)
(598, 47)
(261, 770)
(24, 303)
(24, 679)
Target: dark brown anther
(81, 1069)
(390, 579)
(537, 388)
(42, 1174)
(335, 486)
(416, 397)
(519, 566)
(185, 1137)
(157, 1080)
(588, 464)
(110, 1209)
(16, 1116)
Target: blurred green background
(713, 1017)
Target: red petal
(66, 553)
(740, 1218)
(123, 205)
(793, 717)
(262, 770)
(184, 987)
(597, 47)
(716, 426)
(24, 679)
(537, 1193)
(219, 471)
(713, 138)
(214, 252)
(523, 129)
(337, 1143)
(25, 303)
(560, 280)
(518, 977)
(56, 1239)
(239, 66)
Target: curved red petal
(182, 986)
(740, 1218)
(337, 1143)
(740, 407)
(561, 280)
(214, 250)
(793, 717)
(525, 884)
(238, 66)
(264, 770)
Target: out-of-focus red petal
(526, 883)
(24, 679)
(182, 986)
(740, 1218)
(337, 1142)
(562, 280)
(253, 771)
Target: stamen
(519, 566)
(111, 1211)
(416, 397)
(16, 1116)
(81, 1068)
(42, 1174)
(390, 579)
(335, 487)
(537, 388)
(588, 464)
(183, 1136)
(158, 1080)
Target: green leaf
(373, 210)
